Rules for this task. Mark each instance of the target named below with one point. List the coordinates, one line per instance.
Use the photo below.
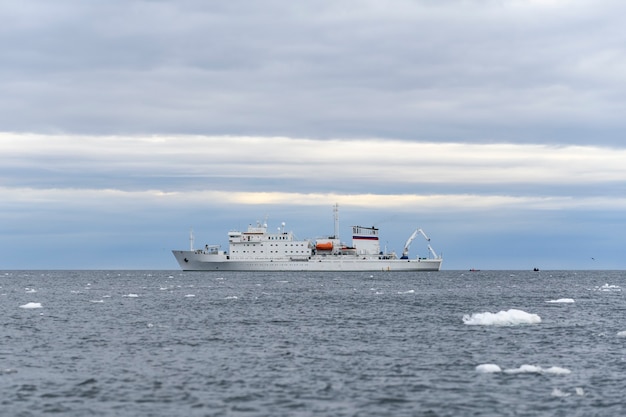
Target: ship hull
(194, 261)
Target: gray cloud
(512, 71)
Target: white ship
(259, 250)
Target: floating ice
(533, 369)
(608, 288)
(31, 305)
(503, 318)
(561, 300)
(558, 393)
(526, 369)
(556, 370)
(488, 368)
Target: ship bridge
(365, 240)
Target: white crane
(405, 251)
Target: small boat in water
(259, 250)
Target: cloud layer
(481, 71)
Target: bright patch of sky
(496, 126)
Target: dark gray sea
(450, 343)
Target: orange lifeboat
(324, 246)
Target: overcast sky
(495, 125)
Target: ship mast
(191, 240)
(336, 216)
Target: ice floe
(533, 369)
(561, 300)
(31, 305)
(557, 392)
(511, 317)
(608, 288)
(488, 368)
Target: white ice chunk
(558, 393)
(503, 318)
(534, 369)
(31, 305)
(488, 368)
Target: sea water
(449, 343)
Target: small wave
(561, 300)
(232, 297)
(407, 292)
(621, 334)
(503, 318)
(131, 295)
(31, 305)
(190, 295)
(96, 301)
(30, 290)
